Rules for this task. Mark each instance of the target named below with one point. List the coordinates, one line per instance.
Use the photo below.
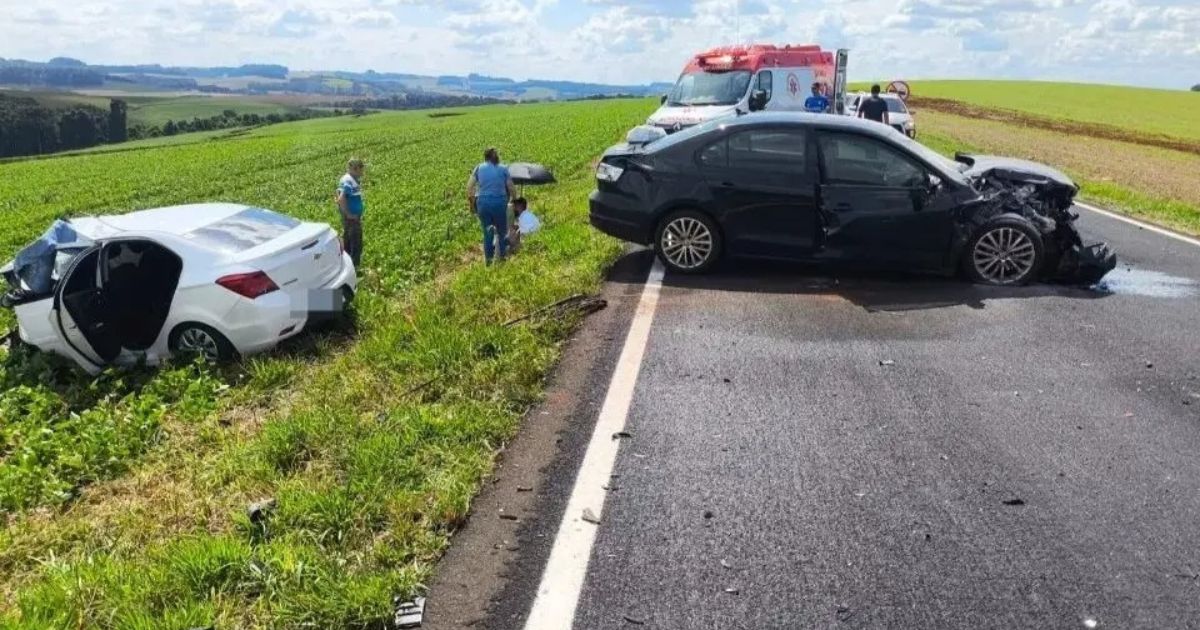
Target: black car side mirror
(758, 100)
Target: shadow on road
(872, 290)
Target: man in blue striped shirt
(350, 207)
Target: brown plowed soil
(1064, 126)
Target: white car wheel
(202, 341)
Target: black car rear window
(245, 230)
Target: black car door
(763, 184)
(879, 204)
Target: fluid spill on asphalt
(1143, 282)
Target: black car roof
(830, 121)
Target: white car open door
(79, 314)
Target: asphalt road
(819, 451)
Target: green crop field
(156, 111)
(123, 498)
(1173, 113)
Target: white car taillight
(250, 285)
(608, 173)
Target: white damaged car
(217, 280)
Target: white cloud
(1153, 42)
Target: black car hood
(1013, 169)
(624, 149)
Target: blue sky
(1152, 43)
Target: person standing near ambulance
(488, 190)
(874, 107)
(817, 103)
(350, 207)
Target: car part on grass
(529, 174)
(409, 614)
(581, 303)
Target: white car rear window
(247, 229)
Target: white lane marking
(1143, 225)
(562, 581)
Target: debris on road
(524, 488)
(844, 613)
(725, 563)
(590, 517)
(887, 362)
(621, 435)
(637, 621)
(708, 514)
(507, 517)
(409, 614)
(1014, 502)
(732, 591)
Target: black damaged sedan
(823, 188)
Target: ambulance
(729, 79)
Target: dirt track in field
(1093, 130)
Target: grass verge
(371, 439)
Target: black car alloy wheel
(1007, 251)
(688, 241)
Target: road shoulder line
(562, 580)
(1145, 226)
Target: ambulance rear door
(791, 87)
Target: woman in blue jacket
(488, 190)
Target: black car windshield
(710, 88)
(952, 168)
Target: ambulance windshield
(710, 88)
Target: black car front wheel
(1007, 251)
(688, 241)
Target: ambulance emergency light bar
(720, 62)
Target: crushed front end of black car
(1043, 196)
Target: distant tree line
(227, 119)
(29, 128)
(1196, 88)
(41, 74)
(604, 97)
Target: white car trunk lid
(304, 258)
